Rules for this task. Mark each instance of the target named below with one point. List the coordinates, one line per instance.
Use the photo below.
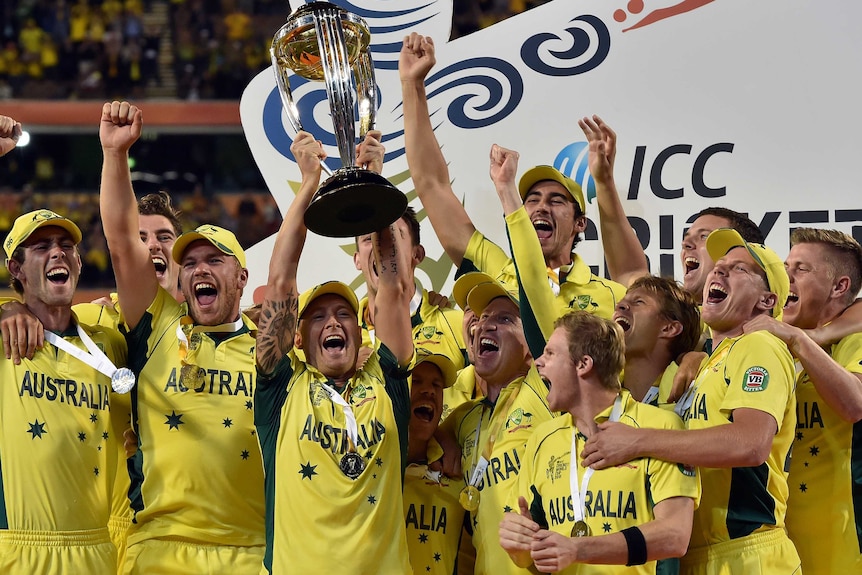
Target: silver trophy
(323, 42)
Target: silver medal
(123, 380)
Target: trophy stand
(323, 42)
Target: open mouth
(424, 412)
(623, 323)
(333, 342)
(691, 264)
(716, 294)
(792, 299)
(160, 264)
(58, 275)
(205, 293)
(544, 229)
(488, 345)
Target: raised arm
(277, 321)
(10, 131)
(137, 284)
(424, 158)
(623, 251)
(395, 288)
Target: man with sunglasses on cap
(334, 435)
(197, 477)
(552, 214)
(740, 418)
(58, 446)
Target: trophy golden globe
(323, 42)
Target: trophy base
(354, 202)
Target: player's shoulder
(649, 416)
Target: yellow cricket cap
(221, 238)
(540, 173)
(30, 222)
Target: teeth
(541, 222)
(202, 286)
(792, 297)
(718, 288)
(488, 344)
(623, 323)
(691, 263)
(57, 272)
(158, 260)
(333, 338)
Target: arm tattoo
(276, 328)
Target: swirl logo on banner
(710, 100)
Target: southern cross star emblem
(307, 470)
(174, 420)
(37, 430)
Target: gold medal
(580, 529)
(469, 498)
(194, 340)
(192, 376)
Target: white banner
(754, 106)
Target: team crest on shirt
(756, 379)
(686, 470)
(446, 411)
(361, 394)
(427, 331)
(582, 301)
(317, 394)
(519, 419)
(556, 467)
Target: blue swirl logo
(573, 161)
(584, 55)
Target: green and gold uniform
(523, 405)
(741, 515)
(551, 295)
(434, 328)
(433, 516)
(463, 390)
(318, 519)
(197, 477)
(616, 498)
(824, 513)
(121, 420)
(58, 460)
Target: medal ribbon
(684, 402)
(95, 359)
(349, 418)
(186, 321)
(580, 495)
(651, 394)
(481, 464)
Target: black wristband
(637, 546)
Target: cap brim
(721, 241)
(541, 173)
(484, 293)
(331, 287)
(466, 283)
(183, 242)
(447, 368)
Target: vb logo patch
(756, 379)
(686, 470)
